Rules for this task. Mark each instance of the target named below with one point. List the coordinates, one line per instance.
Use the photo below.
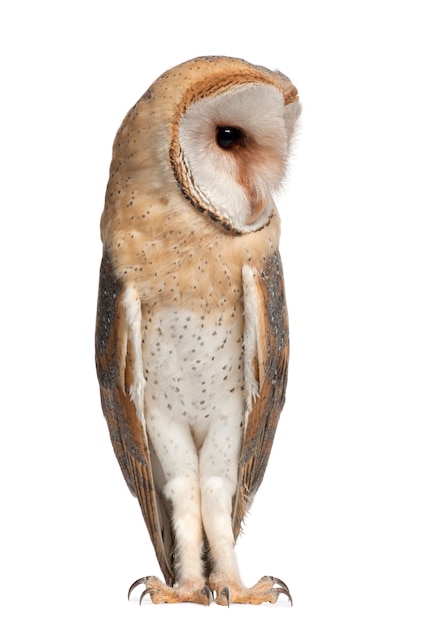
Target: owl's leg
(177, 454)
(218, 481)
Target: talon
(226, 592)
(278, 581)
(135, 584)
(286, 592)
(283, 588)
(208, 593)
(144, 593)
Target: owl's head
(227, 126)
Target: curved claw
(144, 593)
(226, 592)
(278, 581)
(136, 583)
(283, 588)
(208, 593)
(286, 592)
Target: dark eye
(228, 136)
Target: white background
(348, 513)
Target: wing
(266, 357)
(116, 357)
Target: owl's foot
(160, 592)
(268, 589)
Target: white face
(235, 149)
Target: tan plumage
(192, 332)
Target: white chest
(193, 363)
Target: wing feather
(267, 348)
(117, 369)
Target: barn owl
(192, 329)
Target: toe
(268, 589)
(159, 592)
